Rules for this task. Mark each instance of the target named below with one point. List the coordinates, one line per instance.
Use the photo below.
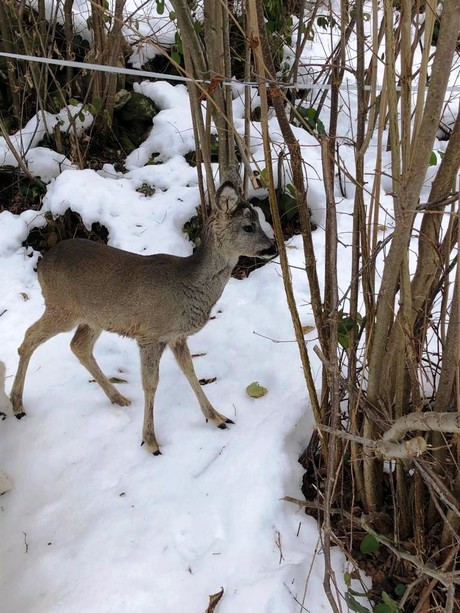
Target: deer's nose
(270, 252)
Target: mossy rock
(133, 121)
(137, 109)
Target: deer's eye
(248, 228)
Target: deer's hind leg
(181, 352)
(82, 346)
(51, 323)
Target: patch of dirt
(18, 193)
(69, 225)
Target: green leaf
(354, 605)
(388, 600)
(320, 127)
(288, 206)
(345, 325)
(73, 102)
(326, 21)
(255, 390)
(347, 578)
(175, 56)
(263, 177)
(400, 589)
(178, 42)
(433, 159)
(107, 117)
(94, 107)
(383, 608)
(271, 27)
(310, 115)
(160, 7)
(369, 544)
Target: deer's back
(133, 295)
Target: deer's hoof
(20, 415)
(222, 426)
(120, 400)
(152, 448)
(229, 421)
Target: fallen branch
(436, 422)
(446, 578)
(388, 447)
(385, 450)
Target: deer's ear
(227, 197)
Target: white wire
(169, 77)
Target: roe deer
(158, 300)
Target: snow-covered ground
(96, 524)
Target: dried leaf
(112, 380)
(214, 600)
(25, 296)
(215, 82)
(207, 381)
(255, 390)
(307, 329)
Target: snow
(144, 28)
(173, 133)
(44, 163)
(93, 522)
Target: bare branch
(437, 422)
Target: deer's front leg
(150, 361)
(182, 354)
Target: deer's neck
(212, 266)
